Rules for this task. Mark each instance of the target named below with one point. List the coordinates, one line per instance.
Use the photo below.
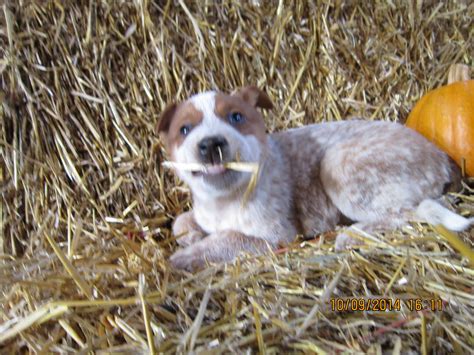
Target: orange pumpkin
(446, 117)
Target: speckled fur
(375, 173)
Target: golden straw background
(86, 208)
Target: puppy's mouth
(217, 176)
(221, 175)
(211, 170)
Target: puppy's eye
(235, 117)
(184, 130)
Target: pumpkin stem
(458, 72)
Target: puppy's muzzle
(213, 150)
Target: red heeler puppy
(377, 174)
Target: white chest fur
(252, 219)
(266, 215)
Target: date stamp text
(384, 304)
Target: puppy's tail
(434, 213)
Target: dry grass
(86, 206)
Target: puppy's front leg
(186, 230)
(217, 247)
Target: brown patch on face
(252, 124)
(184, 114)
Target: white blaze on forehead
(206, 103)
(211, 124)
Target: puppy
(378, 174)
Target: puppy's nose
(212, 149)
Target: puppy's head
(213, 128)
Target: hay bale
(86, 207)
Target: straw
(86, 208)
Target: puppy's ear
(255, 97)
(164, 121)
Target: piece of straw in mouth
(237, 166)
(252, 168)
(184, 166)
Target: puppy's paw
(190, 259)
(186, 229)
(345, 242)
(189, 238)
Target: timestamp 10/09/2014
(384, 304)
